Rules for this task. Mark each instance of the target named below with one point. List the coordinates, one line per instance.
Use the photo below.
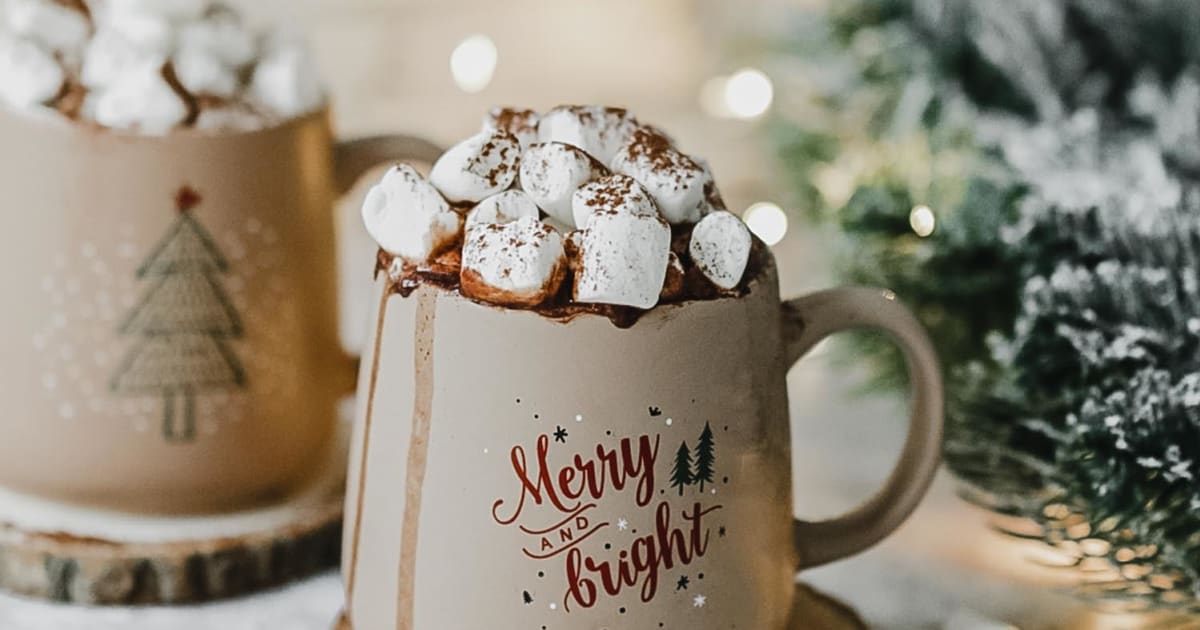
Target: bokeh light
(748, 93)
(767, 220)
(922, 221)
(473, 63)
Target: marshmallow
(522, 123)
(148, 33)
(601, 131)
(674, 180)
(622, 259)
(552, 172)
(712, 196)
(222, 34)
(139, 100)
(477, 167)
(720, 248)
(619, 193)
(520, 263)
(502, 208)
(286, 81)
(407, 216)
(110, 55)
(29, 75)
(203, 73)
(51, 24)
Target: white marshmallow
(201, 72)
(552, 172)
(616, 192)
(561, 227)
(57, 27)
(720, 248)
(139, 100)
(502, 208)
(149, 33)
(286, 82)
(674, 180)
(601, 131)
(520, 263)
(407, 216)
(712, 196)
(521, 123)
(29, 75)
(622, 259)
(220, 33)
(176, 10)
(110, 55)
(478, 167)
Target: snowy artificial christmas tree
(1027, 175)
(182, 323)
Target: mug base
(66, 553)
(811, 610)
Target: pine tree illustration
(681, 473)
(704, 458)
(183, 321)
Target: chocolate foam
(444, 272)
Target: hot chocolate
(580, 209)
(519, 462)
(152, 67)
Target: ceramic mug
(514, 471)
(170, 338)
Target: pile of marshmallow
(152, 66)
(584, 192)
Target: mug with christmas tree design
(518, 469)
(170, 338)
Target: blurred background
(731, 81)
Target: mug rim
(50, 117)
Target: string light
(473, 63)
(748, 93)
(922, 220)
(767, 220)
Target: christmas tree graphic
(704, 458)
(182, 322)
(681, 473)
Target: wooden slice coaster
(71, 554)
(812, 611)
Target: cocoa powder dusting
(514, 120)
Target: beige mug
(510, 470)
(170, 338)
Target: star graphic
(683, 583)
(622, 524)
(721, 532)
(560, 434)
(699, 601)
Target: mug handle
(353, 158)
(808, 320)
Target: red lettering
(616, 468)
(642, 563)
